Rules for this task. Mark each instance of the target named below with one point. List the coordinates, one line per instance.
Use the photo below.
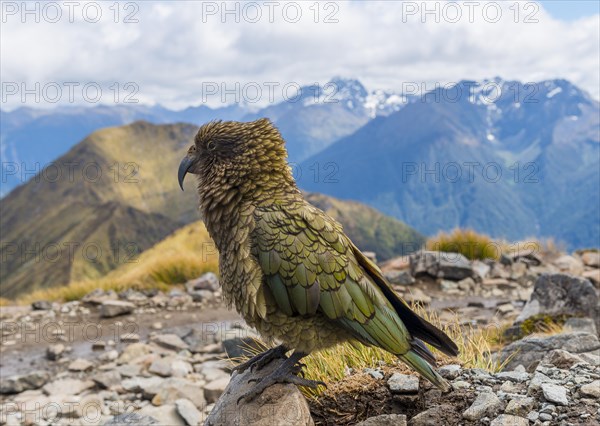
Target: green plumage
(288, 267)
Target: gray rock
(453, 266)
(113, 308)
(17, 384)
(170, 390)
(508, 420)
(434, 416)
(189, 412)
(581, 324)
(591, 390)
(561, 359)
(132, 295)
(450, 372)
(480, 269)
(520, 406)
(279, 404)
(214, 389)
(237, 347)
(486, 404)
(72, 386)
(530, 350)
(133, 351)
(385, 420)
(165, 414)
(591, 258)
(99, 296)
(208, 281)
(560, 294)
(514, 376)
(170, 341)
(54, 352)
(555, 393)
(400, 277)
(374, 373)
(80, 364)
(202, 295)
(107, 379)
(403, 383)
(41, 305)
(133, 419)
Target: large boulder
(556, 295)
(439, 264)
(280, 404)
(530, 350)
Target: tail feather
(425, 369)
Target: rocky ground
(154, 358)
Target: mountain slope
(113, 196)
(435, 164)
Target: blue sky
(571, 10)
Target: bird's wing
(311, 266)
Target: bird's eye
(211, 146)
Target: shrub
(466, 242)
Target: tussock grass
(186, 254)
(476, 348)
(467, 242)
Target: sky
(183, 53)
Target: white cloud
(174, 47)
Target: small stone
(376, 374)
(188, 411)
(41, 305)
(561, 359)
(130, 338)
(460, 384)
(513, 376)
(54, 352)
(432, 416)
(385, 420)
(545, 417)
(113, 308)
(208, 281)
(505, 308)
(17, 384)
(508, 420)
(555, 393)
(72, 386)
(133, 351)
(214, 389)
(486, 404)
(170, 341)
(109, 356)
(99, 345)
(591, 389)
(165, 415)
(107, 379)
(450, 372)
(533, 416)
(403, 383)
(133, 419)
(400, 277)
(80, 364)
(520, 406)
(591, 258)
(161, 367)
(156, 325)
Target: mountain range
(509, 159)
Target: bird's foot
(285, 373)
(262, 359)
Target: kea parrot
(287, 267)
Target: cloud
(175, 48)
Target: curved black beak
(184, 166)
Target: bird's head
(231, 155)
